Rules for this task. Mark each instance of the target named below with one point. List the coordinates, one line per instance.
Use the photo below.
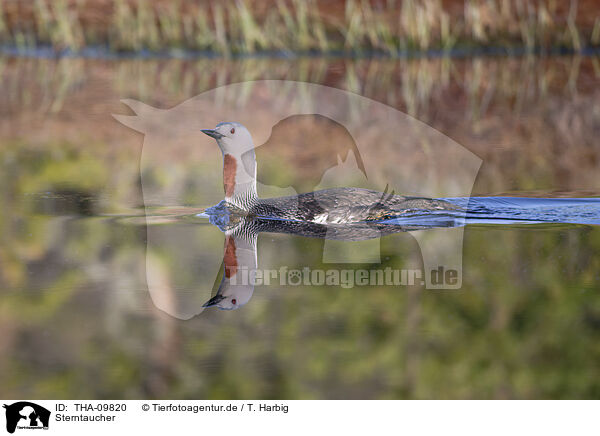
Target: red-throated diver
(328, 206)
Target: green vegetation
(351, 26)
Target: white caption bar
(277, 417)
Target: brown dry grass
(246, 26)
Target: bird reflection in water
(241, 234)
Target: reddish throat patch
(229, 169)
(230, 258)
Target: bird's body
(342, 206)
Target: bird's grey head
(230, 297)
(232, 138)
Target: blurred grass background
(294, 26)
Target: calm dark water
(102, 285)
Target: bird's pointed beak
(214, 301)
(212, 133)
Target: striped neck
(239, 179)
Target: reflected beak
(214, 301)
(212, 133)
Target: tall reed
(297, 26)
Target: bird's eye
(232, 130)
(234, 301)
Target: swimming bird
(328, 206)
